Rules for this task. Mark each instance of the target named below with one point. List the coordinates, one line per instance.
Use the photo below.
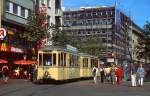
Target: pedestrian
(102, 74)
(119, 74)
(107, 73)
(113, 74)
(133, 75)
(5, 73)
(140, 74)
(95, 74)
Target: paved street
(80, 88)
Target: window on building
(43, 2)
(48, 3)
(22, 11)
(7, 6)
(79, 32)
(26, 13)
(48, 20)
(15, 8)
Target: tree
(34, 30)
(60, 38)
(143, 46)
(91, 46)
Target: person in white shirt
(95, 74)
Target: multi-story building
(137, 34)
(13, 18)
(54, 14)
(106, 24)
(14, 15)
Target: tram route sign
(2, 33)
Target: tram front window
(47, 59)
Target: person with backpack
(5, 73)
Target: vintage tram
(64, 63)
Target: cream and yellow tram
(87, 62)
(59, 64)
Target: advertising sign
(2, 33)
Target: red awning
(25, 62)
(3, 61)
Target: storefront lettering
(3, 47)
(13, 49)
(2, 33)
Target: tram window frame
(59, 57)
(54, 59)
(85, 62)
(64, 59)
(45, 60)
(72, 60)
(40, 60)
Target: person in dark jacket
(102, 74)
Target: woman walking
(140, 74)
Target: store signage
(6, 48)
(18, 50)
(2, 33)
(110, 60)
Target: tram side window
(40, 59)
(70, 60)
(54, 59)
(64, 59)
(47, 59)
(59, 61)
(85, 62)
(92, 63)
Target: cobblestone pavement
(80, 88)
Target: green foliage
(91, 46)
(34, 31)
(60, 38)
(143, 46)
(147, 28)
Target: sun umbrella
(25, 62)
(3, 61)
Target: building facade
(107, 25)
(14, 15)
(54, 14)
(13, 18)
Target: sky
(138, 10)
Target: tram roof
(56, 48)
(88, 55)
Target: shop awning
(3, 61)
(25, 62)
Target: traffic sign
(2, 33)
